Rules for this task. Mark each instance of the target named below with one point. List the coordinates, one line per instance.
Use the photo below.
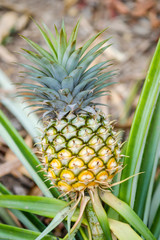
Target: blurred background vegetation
(135, 29)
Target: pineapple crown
(63, 80)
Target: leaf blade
(123, 230)
(148, 167)
(139, 129)
(15, 233)
(127, 213)
(23, 152)
(39, 205)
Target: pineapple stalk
(95, 228)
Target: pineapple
(80, 150)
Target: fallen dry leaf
(7, 23)
(16, 7)
(155, 22)
(120, 7)
(6, 56)
(69, 3)
(8, 167)
(28, 141)
(22, 22)
(141, 7)
(35, 191)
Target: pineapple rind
(88, 152)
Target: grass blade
(6, 217)
(127, 213)
(148, 167)
(33, 204)
(155, 203)
(43, 206)
(60, 216)
(139, 130)
(23, 152)
(28, 219)
(15, 233)
(155, 228)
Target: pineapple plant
(80, 151)
(79, 148)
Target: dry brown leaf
(16, 173)
(19, 170)
(23, 171)
(7, 23)
(141, 8)
(22, 22)
(69, 3)
(14, 7)
(28, 141)
(9, 156)
(12, 21)
(14, 218)
(120, 7)
(35, 191)
(113, 236)
(6, 56)
(123, 126)
(155, 22)
(9, 166)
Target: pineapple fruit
(80, 149)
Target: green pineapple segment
(88, 152)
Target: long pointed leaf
(91, 40)
(6, 217)
(44, 206)
(139, 130)
(148, 167)
(54, 223)
(23, 152)
(15, 233)
(28, 219)
(123, 231)
(39, 49)
(155, 228)
(127, 213)
(48, 41)
(155, 203)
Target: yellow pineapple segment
(64, 187)
(51, 173)
(102, 176)
(67, 175)
(76, 163)
(95, 163)
(64, 154)
(79, 186)
(112, 164)
(85, 176)
(56, 164)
